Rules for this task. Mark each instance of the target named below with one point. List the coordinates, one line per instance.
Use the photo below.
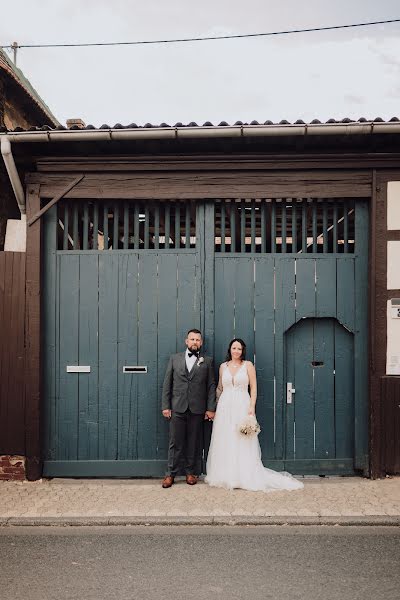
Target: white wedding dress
(234, 460)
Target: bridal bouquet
(249, 426)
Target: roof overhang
(202, 132)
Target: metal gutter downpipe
(13, 173)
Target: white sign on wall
(393, 337)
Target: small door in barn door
(319, 397)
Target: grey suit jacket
(194, 390)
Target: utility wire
(203, 39)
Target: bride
(234, 459)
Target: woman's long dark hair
(241, 342)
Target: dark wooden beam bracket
(54, 201)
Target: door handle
(289, 392)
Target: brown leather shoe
(168, 481)
(191, 479)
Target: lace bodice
(237, 382)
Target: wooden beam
(32, 338)
(212, 162)
(63, 193)
(209, 185)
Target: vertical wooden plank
(66, 226)
(263, 228)
(305, 287)
(95, 225)
(75, 226)
(50, 344)
(243, 226)
(224, 305)
(85, 232)
(335, 226)
(167, 223)
(128, 315)
(223, 231)
(156, 224)
(188, 309)
(325, 269)
(294, 226)
(167, 342)
(314, 226)
(20, 357)
(126, 224)
(284, 318)
(108, 355)
(304, 226)
(273, 226)
(146, 225)
(253, 225)
(6, 358)
(115, 244)
(244, 303)
(88, 414)
(200, 246)
(3, 284)
(344, 392)
(346, 227)
(68, 402)
(12, 373)
(187, 223)
(105, 225)
(148, 403)
(324, 388)
(209, 291)
(361, 337)
(345, 292)
(136, 225)
(264, 351)
(325, 226)
(177, 225)
(232, 208)
(32, 340)
(300, 437)
(284, 225)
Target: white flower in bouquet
(200, 361)
(249, 426)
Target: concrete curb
(375, 520)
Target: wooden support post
(32, 337)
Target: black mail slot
(317, 363)
(134, 369)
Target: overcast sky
(316, 75)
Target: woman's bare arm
(253, 386)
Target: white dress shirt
(190, 360)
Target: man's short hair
(194, 331)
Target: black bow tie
(190, 354)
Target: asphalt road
(194, 563)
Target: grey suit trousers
(185, 443)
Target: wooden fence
(390, 407)
(12, 359)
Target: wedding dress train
(234, 459)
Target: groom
(188, 398)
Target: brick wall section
(12, 467)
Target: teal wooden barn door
(291, 280)
(117, 304)
(124, 281)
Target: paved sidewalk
(78, 501)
